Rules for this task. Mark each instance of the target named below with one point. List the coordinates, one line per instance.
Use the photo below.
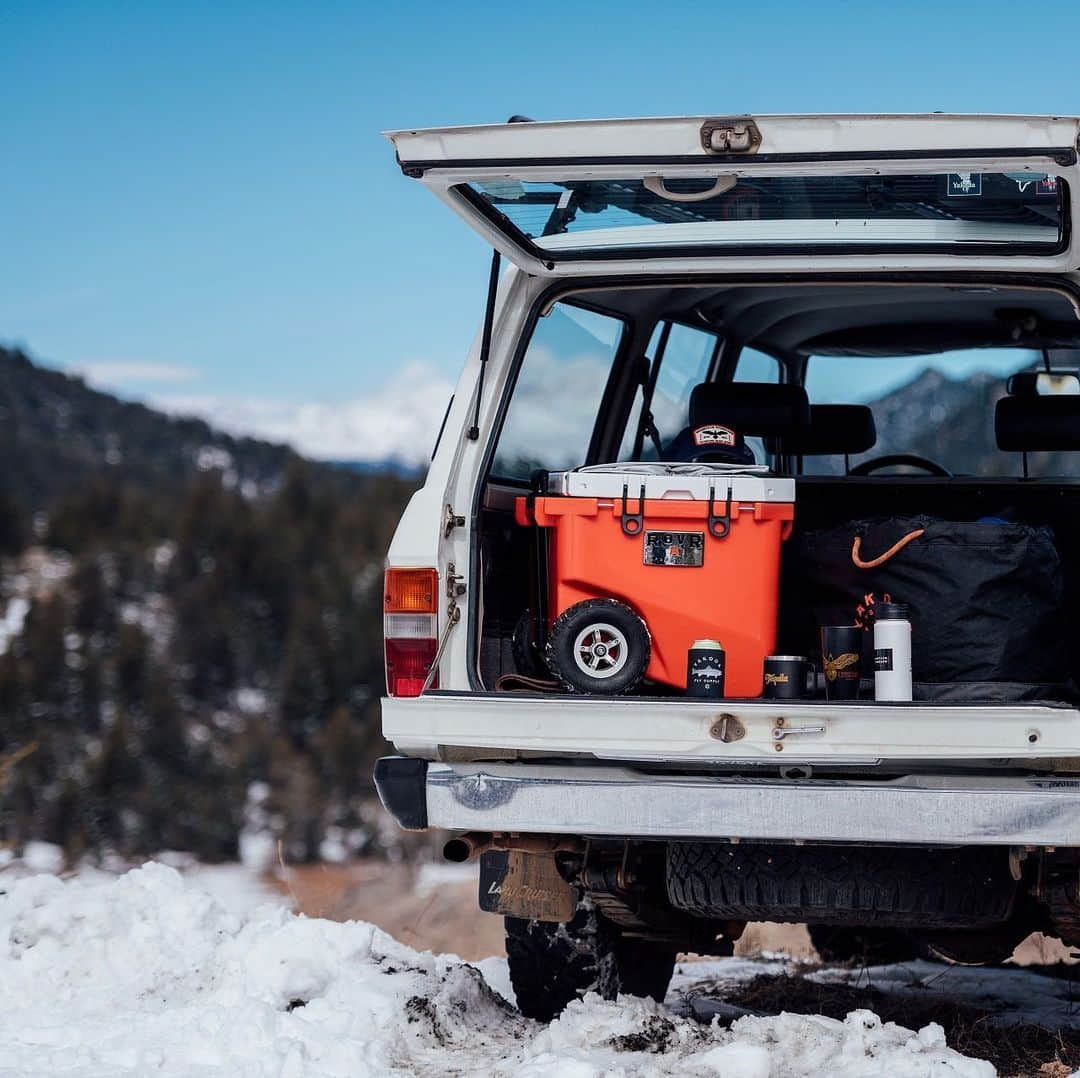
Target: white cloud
(121, 372)
(399, 419)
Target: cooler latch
(632, 523)
(719, 524)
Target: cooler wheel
(599, 646)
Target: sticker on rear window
(713, 434)
(963, 184)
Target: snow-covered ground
(149, 974)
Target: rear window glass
(936, 406)
(557, 395)
(755, 366)
(932, 210)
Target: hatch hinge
(731, 134)
(451, 520)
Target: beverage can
(705, 668)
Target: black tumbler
(841, 660)
(705, 666)
(787, 677)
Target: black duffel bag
(986, 599)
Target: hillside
(66, 433)
(189, 629)
(951, 421)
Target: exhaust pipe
(472, 844)
(465, 847)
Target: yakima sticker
(964, 185)
(713, 434)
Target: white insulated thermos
(892, 652)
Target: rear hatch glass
(928, 211)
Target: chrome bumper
(614, 801)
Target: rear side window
(684, 364)
(755, 366)
(685, 358)
(556, 398)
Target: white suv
(858, 259)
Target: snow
(147, 973)
(12, 621)
(43, 857)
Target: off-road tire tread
(1063, 905)
(832, 885)
(551, 965)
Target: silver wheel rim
(601, 650)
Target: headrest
(1032, 424)
(833, 428)
(759, 409)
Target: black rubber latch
(402, 785)
(632, 523)
(719, 524)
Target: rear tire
(838, 885)
(599, 646)
(553, 964)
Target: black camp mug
(841, 660)
(788, 677)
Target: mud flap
(525, 885)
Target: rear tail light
(410, 628)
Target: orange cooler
(694, 549)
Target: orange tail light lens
(411, 591)
(410, 628)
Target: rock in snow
(148, 975)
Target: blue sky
(196, 204)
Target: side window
(555, 400)
(684, 362)
(755, 366)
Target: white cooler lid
(689, 482)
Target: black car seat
(833, 430)
(1025, 423)
(724, 414)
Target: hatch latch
(737, 134)
(451, 521)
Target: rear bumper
(618, 802)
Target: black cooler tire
(840, 885)
(614, 620)
(553, 964)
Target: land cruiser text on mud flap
(709, 309)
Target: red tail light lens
(407, 665)
(410, 629)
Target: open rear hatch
(701, 194)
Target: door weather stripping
(485, 342)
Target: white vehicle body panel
(776, 733)
(457, 719)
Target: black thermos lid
(891, 611)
